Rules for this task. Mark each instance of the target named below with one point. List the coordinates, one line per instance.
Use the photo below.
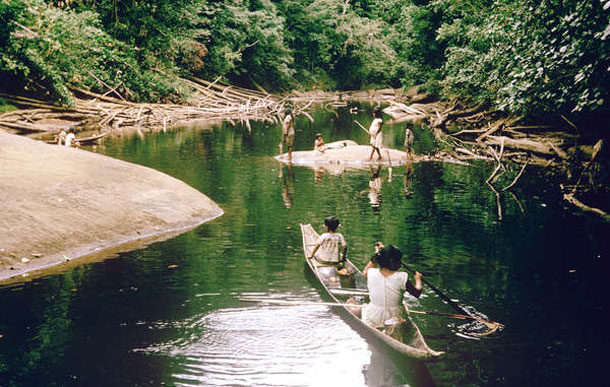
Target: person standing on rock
(409, 139)
(376, 135)
(288, 132)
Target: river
(170, 314)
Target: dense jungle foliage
(521, 56)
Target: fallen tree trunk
(526, 144)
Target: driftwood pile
(101, 112)
(503, 141)
(474, 133)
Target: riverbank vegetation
(518, 56)
(505, 71)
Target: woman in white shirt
(70, 139)
(387, 286)
(331, 248)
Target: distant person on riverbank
(319, 143)
(288, 132)
(331, 248)
(70, 139)
(409, 139)
(61, 137)
(375, 133)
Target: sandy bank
(64, 203)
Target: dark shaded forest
(518, 56)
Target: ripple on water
(282, 346)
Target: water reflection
(408, 180)
(319, 174)
(268, 346)
(375, 188)
(520, 271)
(287, 177)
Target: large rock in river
(345, 153)
(61, 203)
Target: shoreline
(66, 206)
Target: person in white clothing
(331, 248)
(70, 139)
(376, 135)
(61, 137)
(387, 286)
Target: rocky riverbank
(63, 204)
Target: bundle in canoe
(410, 341)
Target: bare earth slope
(62, 203)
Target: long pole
(362, 127)
(442, 295)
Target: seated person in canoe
(330, 248)
(387, 285)
(70, 139)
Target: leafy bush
(530, 59)
(54, 49)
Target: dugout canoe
(339, 288)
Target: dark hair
(388, 257)
(377, 112)
(331, 222)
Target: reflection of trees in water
(42, 345)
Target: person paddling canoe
(387, 286)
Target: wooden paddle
(492, 325)
(442, 295)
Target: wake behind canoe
(339, 288)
